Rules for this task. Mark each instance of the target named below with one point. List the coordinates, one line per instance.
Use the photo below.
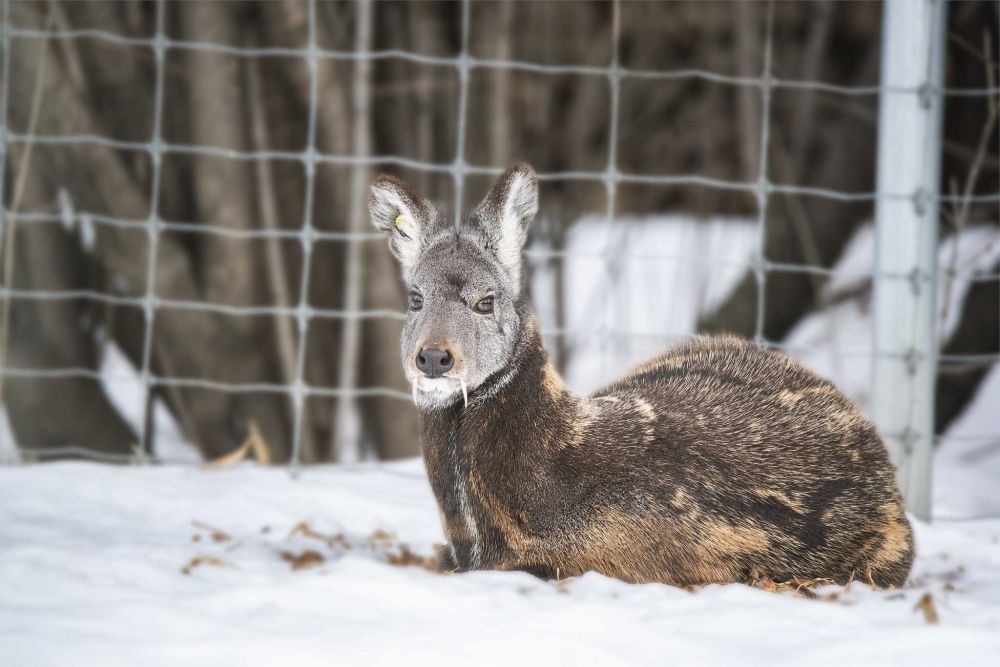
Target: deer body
(716, 462)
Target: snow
(91, 558)
(84, 224)
(122, 382)
(837, 341)
(677, 268)
(967, 463)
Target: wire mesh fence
(615, 256)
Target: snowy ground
(92, 561)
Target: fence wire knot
(916, 279)
(922, 199)
(925, 93)
(912, 359)
(908, 439)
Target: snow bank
(91, 561)
(670, 270)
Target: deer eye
(416, 301)
(484, 305)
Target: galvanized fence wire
(310, 158)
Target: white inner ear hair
(392, 215)
(519, 208)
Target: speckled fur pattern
(718, 461)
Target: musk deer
(718, 461)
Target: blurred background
(187, 261)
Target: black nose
(433, 362)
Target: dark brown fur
(718, 461)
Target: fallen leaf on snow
(380, 538)
(926, 605)
(306, 559)
(216, 534)
(406, 558)
(795, 585)
(201, 560)
(304, 529)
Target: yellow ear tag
(401, 220)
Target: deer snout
(434, 362)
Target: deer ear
(404, 216)
(505, 214)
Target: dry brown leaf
(794, 585)
(229, 459)
(380, 541)
(767, 584)
(926, 605)
(306, 559)
(304, 529)
(406, 558)
(803, 585)
(254, 443)
(201, 560)
(258, 444)
(380, 538)
(216, 534)
(562, 584)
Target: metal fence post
(906, 238)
